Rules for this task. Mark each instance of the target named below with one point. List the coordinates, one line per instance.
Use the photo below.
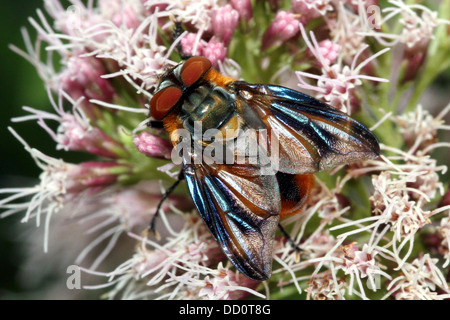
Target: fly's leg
(288, 237)
(166, 194)
(177, 31)
(155, 124)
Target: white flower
(360, 264)
(444, 231)
(419, 280)
(418, 24)
(47, 198)
(419, 129)
(326, 287)
(338, 81)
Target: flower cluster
(376, 229)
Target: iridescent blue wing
(311, 136)
(241, 208)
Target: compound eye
(163, 101)
(193, 69)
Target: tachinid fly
(240, 205)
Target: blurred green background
(20, 85)
(20, 278)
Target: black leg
(177, 31)
(166, 194)
(288, 237)
(155, 124)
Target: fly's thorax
(208, 107)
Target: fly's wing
(310, 135)
(241, 209)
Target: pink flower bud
(329, 51)
(74, 131)
(153, 146)
(244, 8)
(215, 51)
(93, 175)
(82, 78)
(283, 27)
(414, 61)
(188, 44)
(307, 12)
(73, 135)
(224, 22)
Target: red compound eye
(163, 101)
(193, 69)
